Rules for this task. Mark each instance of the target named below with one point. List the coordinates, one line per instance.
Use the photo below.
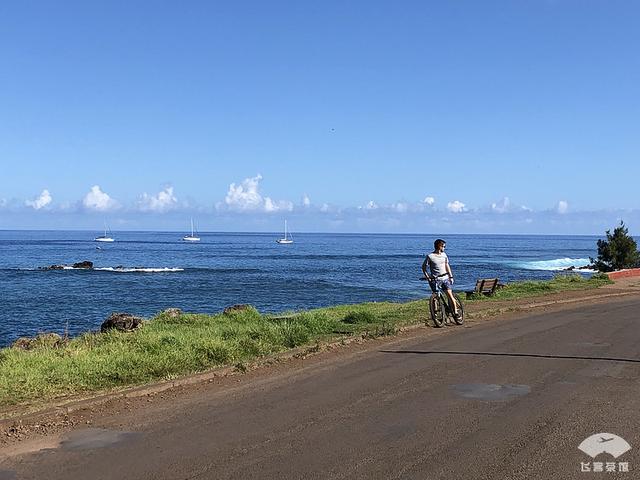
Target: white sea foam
(555, 264)
(139, 269)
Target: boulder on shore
(172, 312)
(236, 308)
(123, 322)
(46, 340)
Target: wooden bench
(484, 286)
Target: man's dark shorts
(443, 282)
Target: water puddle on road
(490, 391)
(95, 438)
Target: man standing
(441, 274)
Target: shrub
(618, 251)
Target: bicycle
(439, 308)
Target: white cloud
(429, 201)
(3, 202)
(246, 197)
(501, 206)
(161, 202)
(41, 201)
(400, 207)
(269, 206)
(456, 206)
(98, 200)
(306, 201)
(324, 208)
(371, 205)
(562, 207)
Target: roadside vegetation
(560, 283)
(175, 344)
(619, 250)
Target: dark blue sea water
(225, 268)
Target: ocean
(145, 272)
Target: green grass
(561, 282)
(167, 347)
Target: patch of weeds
(214, 353)
(317, 322)
(249, 347)
(360, 316)
(254, 334)
(293, 334)
(240, 367)
(229, 333)
(248, 314)
(342, 331)
(601, 277)
(382, 330)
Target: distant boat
(285, 240)
(191, 238)
(105, 237)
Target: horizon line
(276, 232)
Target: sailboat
(192, 237)
(285, 239)
(105, 237)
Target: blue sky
(460, 116)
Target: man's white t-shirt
(437, 263)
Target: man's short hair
(438, 243)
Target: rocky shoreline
(591, 268)
(84, 265)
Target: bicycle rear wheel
(436, 310)
(460, 319)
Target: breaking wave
(102, 269)
(555, 264)
(139, 269)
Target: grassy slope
(167, 347)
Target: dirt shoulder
(32, 427)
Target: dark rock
(85, 264)
(587, 267)
(569, 269)
(124, 322)
(237, 308)
(44, 340)
(172, 312)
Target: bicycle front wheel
(436, 310)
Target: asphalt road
(507, 400)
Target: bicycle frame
(444, 299)
(440, 308)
